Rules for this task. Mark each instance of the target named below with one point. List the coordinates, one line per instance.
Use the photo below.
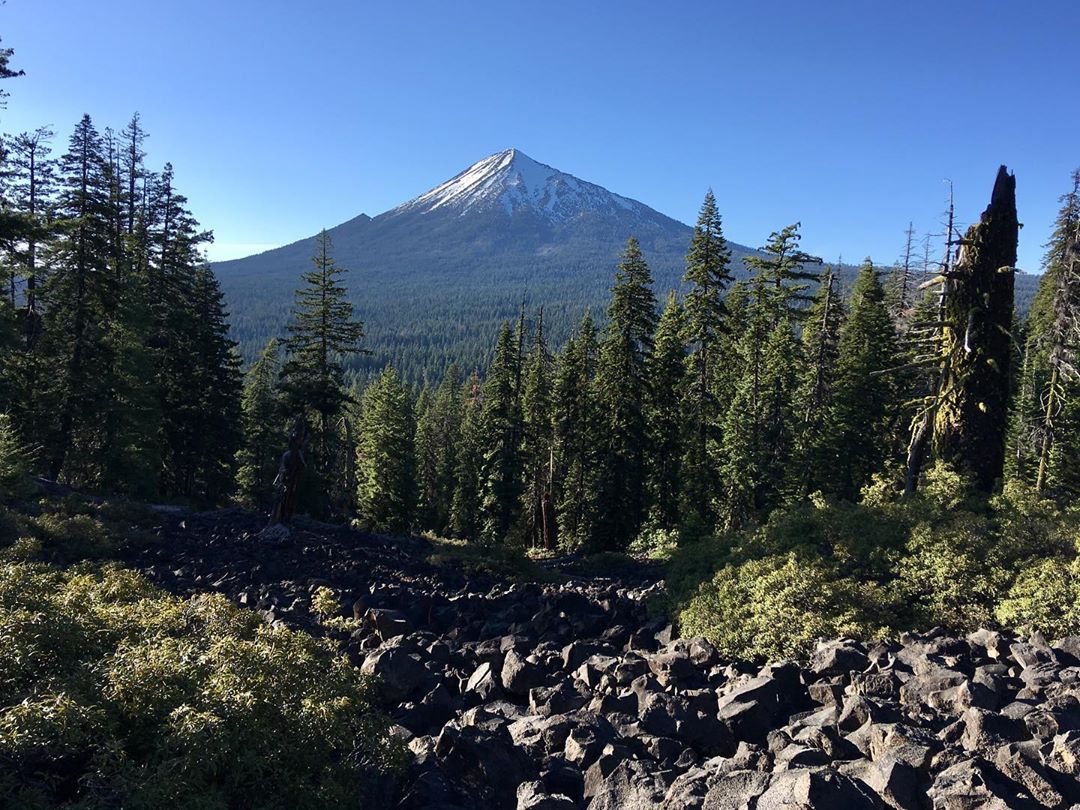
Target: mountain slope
(433, 277)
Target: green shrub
(655, 543)
(113, 692)
(946, 557)
(776, 606)
(953, 573)
(1046, 597)
(78, 537)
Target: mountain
(433, 278)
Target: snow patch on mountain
(516, 182)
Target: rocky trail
(566, 695)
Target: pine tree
(321, 334)
(1047, 433)
(708, 274)
(536, 446)
(761, 424)
(33, 179)
(263, 422)
(622, 390)
(666, 371)
(80, 297)
(863, 394)
(384, 460)
(218, 384)
(500, 472)
(438, 437)
(465, 509)
(131, 451)
(575, 423)
(815, 395)
(785, 275)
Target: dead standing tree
(968, 347)
(971, 417)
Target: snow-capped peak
(515, 181)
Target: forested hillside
(433, 278)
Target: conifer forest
(782, 532)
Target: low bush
(886, 565)
(113, 693)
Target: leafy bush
(1046, 597)
(79, 537)
(655, 543)
(776, 606)
(945, 557)
(113, 692)
(952, 573)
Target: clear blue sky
(284, 117)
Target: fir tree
(622, 388)
(666, 371)
(465, 509)
(575, 424)
(500, 472)
(863, 394)
(262, 421)
(815, 395)
(384, 460)
(760, 426)
(708, 274)
(536, 447)
(80, 298)
(438, 437)
(785, 275)
(321, 334)
(1046, 439)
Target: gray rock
(819, 788)
(518, 675)
(984, 730)
(483, 684)
(400, 671)
(1012, 762)
(534, 796)
(838, 657)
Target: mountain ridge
(433, 277)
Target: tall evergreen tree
(1047, 434)
(816, 392)
(322, 332)
(666, 371)
(786, 276)
(575, 423)
(262, 422)
(863, 394)
(438, 439)
(80, 297)
(500, 472)
(465, 508)
(384, 461)
(708, 274)
(761, 424)
(536, 446)
(622, 389)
